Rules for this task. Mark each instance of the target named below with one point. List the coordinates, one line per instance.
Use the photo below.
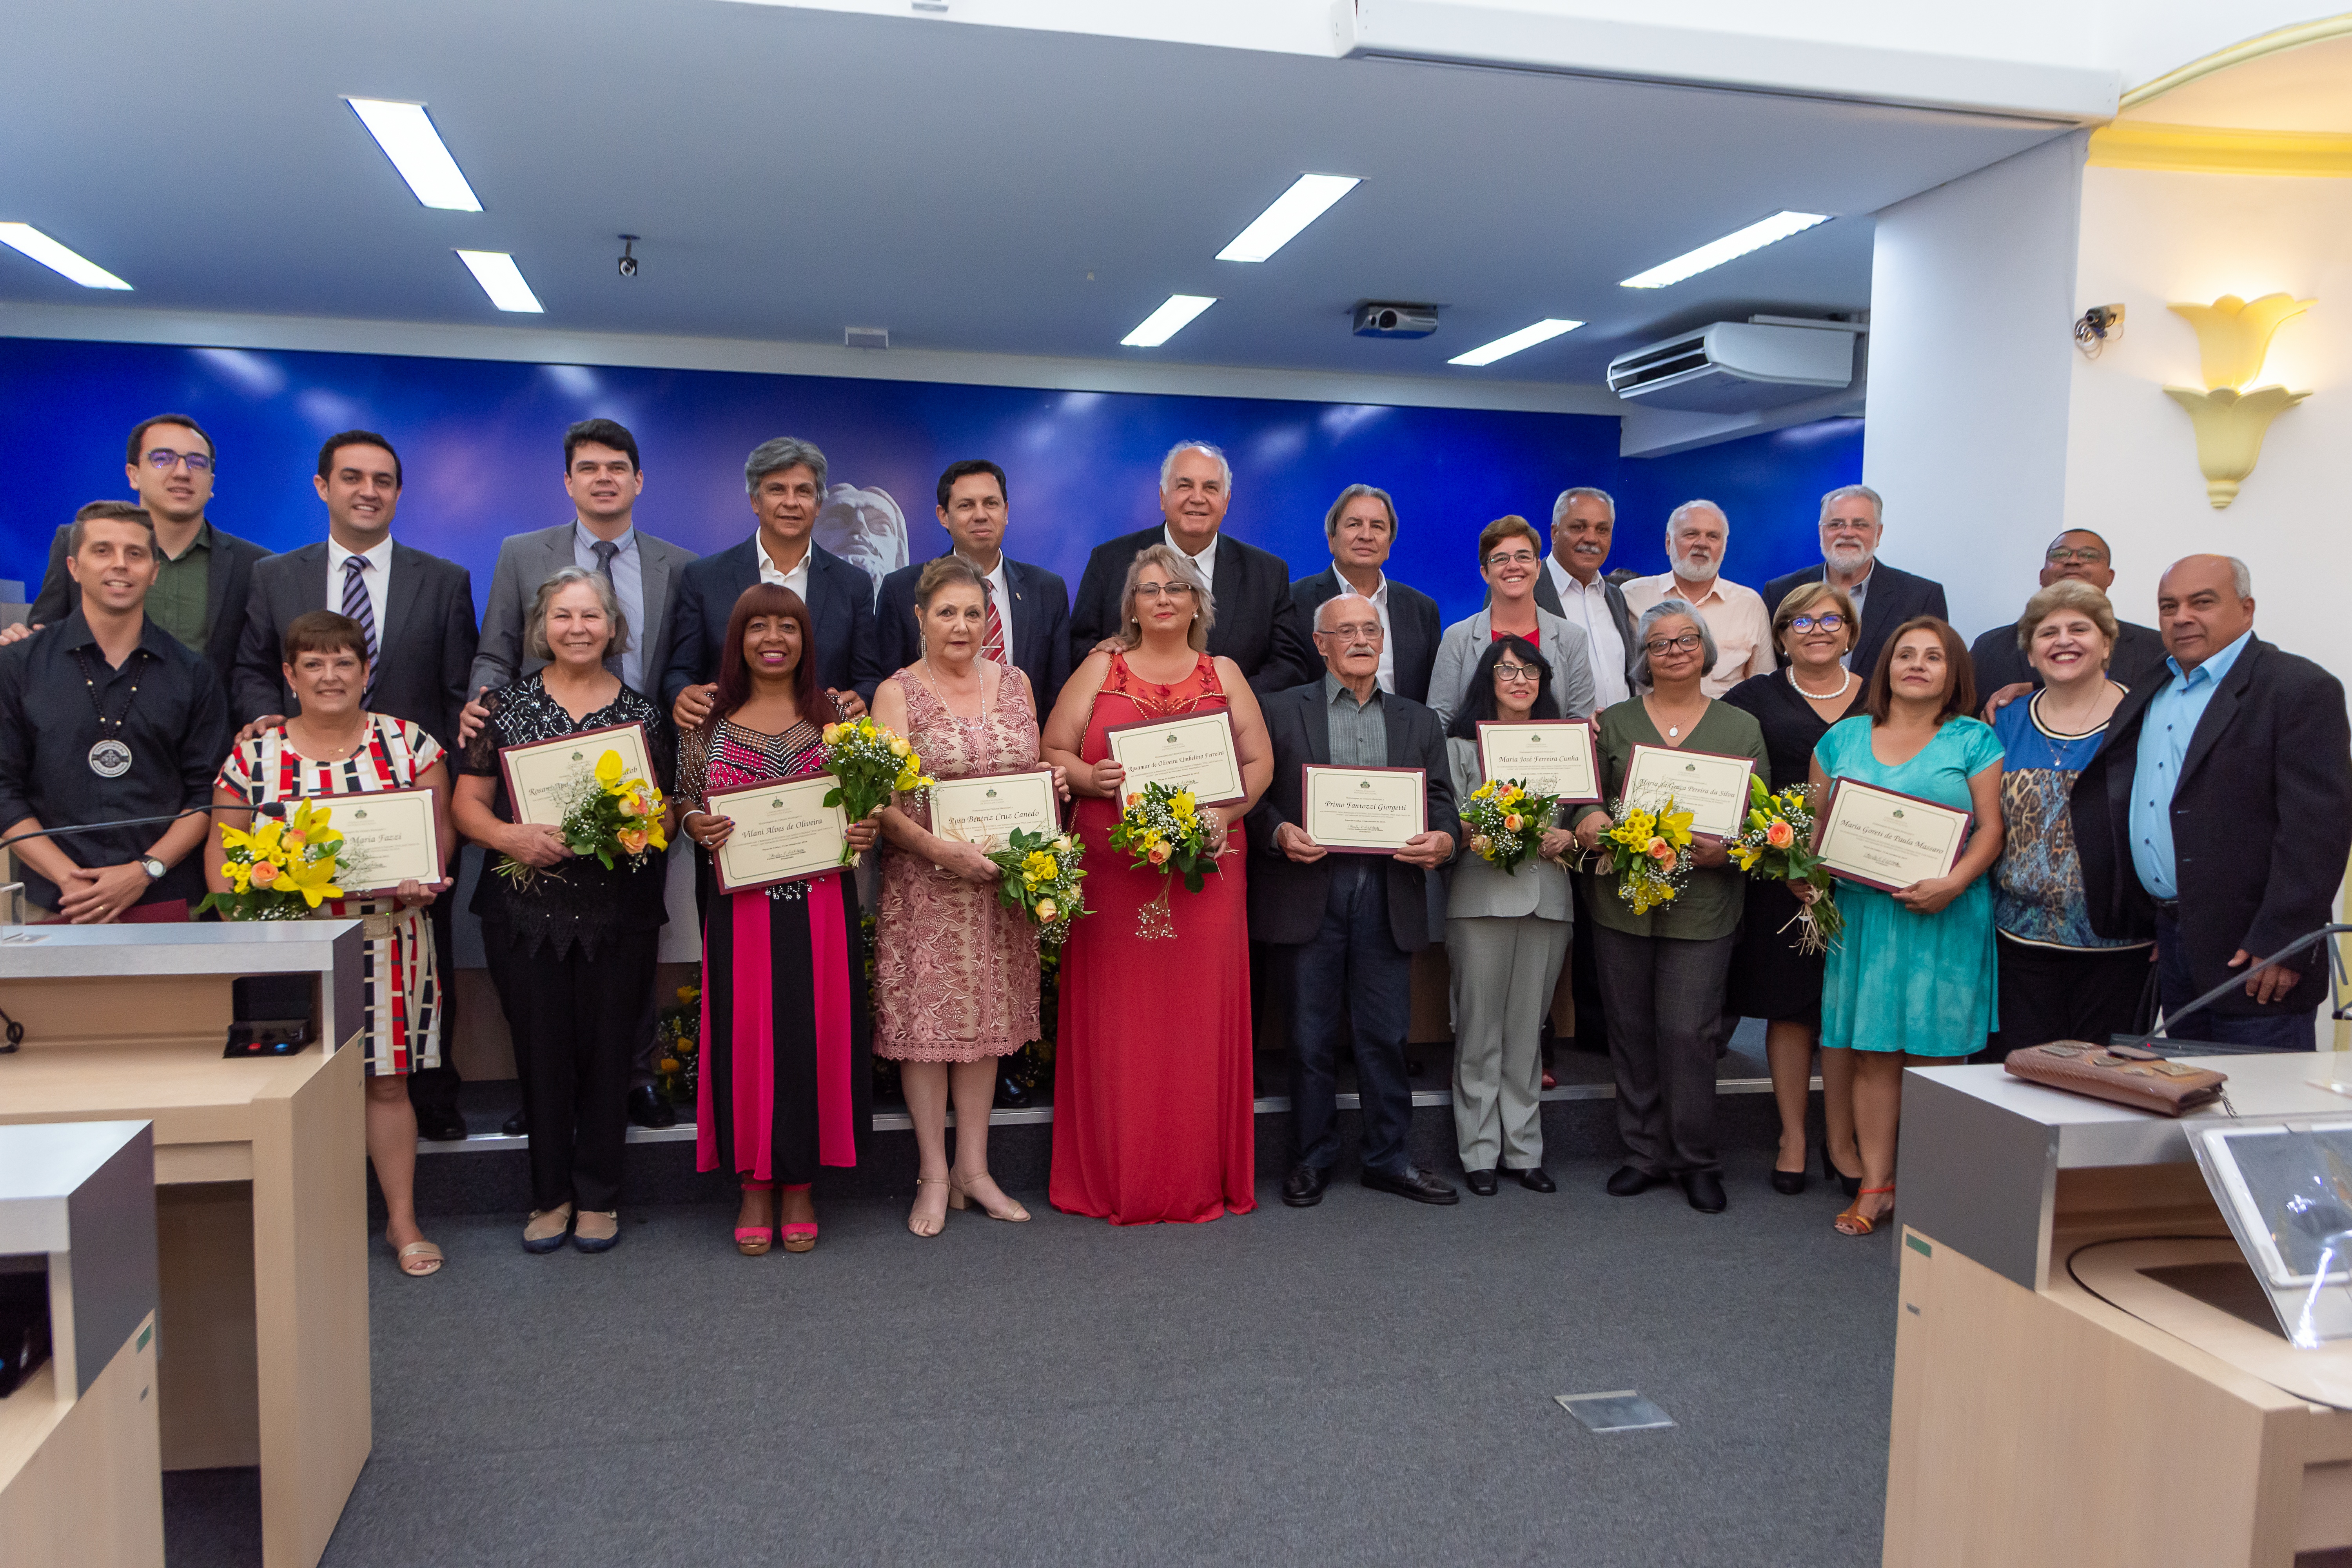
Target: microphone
(274, 809)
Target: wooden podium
(261, 1195)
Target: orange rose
(629, 805)
(1513, 823)
(265, 872)
(1779, 835)
(632, 839)
(1158, 854)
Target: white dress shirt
(796, 579)
(1587, 606)
(1204, 562)
(1380, 598)
(377, 574)
(1735, 616)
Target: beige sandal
(420, 1252)
(939, 1224)
(961, 1198)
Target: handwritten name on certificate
(1887, 840)
(1194, 752)
(544, 777)
(783, 831)
(987, 809)
(1550, 756)
(1713, 788)
(1363, 811)
(389, 838)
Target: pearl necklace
(1843, 687)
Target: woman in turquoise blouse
(1913, 977)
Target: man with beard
(1696, 533)
(1853, 519)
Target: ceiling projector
(1385, 320)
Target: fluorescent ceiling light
(405, 133)
(1755, 236)
(1543, 331)
(1167, 321)
(23, 237)
(1308, 198)
(501, 279)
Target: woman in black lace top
(570, 945)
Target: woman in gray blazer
(1506, 933)
(1510, 558)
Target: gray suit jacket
(1466, 642)
(527, 560)
(1537, 887)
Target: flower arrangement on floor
(1506, 821)
(281, 868)
(868, 764)
(1779, 842)
(678, 1041)
(1041, 878)
(1648, 849)
(614, 815)
(1166, 832)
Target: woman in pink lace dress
(955, 971)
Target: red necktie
(991, 644)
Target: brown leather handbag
(2123, 1074)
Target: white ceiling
(794, 172)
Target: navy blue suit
(840, 602)
(1041, 625)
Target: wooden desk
(261, 1204)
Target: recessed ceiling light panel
(1543, 331)
(80, 268)
(1308, 198)
(501, 279)
(1167, 321)
(1731, 246)
(405, 133)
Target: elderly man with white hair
(1853, 519)
(1696, 533)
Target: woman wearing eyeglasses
(1510, 558)
(1815, 628)
(1662, 973)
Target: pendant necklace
(109, 756)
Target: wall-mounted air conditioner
(1730, 367)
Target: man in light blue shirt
(2172, 715)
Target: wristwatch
(152, 867)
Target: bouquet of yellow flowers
(1779, 842)
(1506, 821)
(677, 1040)
(868, 764)
(281, 869)
(1649, 849)
(1042, 876)
(614, 816)
(1164, 829)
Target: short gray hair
(1168, 463)
(1353, 492)
(1667, 610)
(783, 452)
(534, 625)
(1176, 563)
(2066, 593)
(2240, 577)
(1847, 493)
(1675, 518)
(1581, 493)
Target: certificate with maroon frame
(1885, 840)
(1362, 811)
(783, 831)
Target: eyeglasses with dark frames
(163, 459)
(1682, 644)
(2087, 556)
(1829, 621)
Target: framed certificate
(1888, 840)
(1712, 787)
(986, 808)
(1194, 752)
(1550, 756)
(388, 838)
(1363, 811)
(543, 777)
(783, 831)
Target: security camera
(628, 263)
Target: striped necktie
(357, 605)
(992, 642)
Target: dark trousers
(1584, 972)
(574, 1018)
(2068, 993)
(1353, 969)
(2276, 1031)
(433, 1088)
(1666, 1003)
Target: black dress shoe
(1788, 1181)
(1705, 1190)
(1535, 1181)
(1303, 1188)
(1012, 1094)
(1419, 1186)
(517, 1125)
(647, 1108)
(1629, 1182)
(441, 1123)
(1481, 1182)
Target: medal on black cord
(109, 757)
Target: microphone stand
(2340, 1011)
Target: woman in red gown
(1153, 1116)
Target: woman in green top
(1662, 974)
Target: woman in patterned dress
(333, 746)
(955, 970)
(785, 1079)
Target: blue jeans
(1352, 969)
(2177, 987)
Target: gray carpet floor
(1368, 1382)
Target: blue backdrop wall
(482, 445)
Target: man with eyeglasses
(2002, 669)
(1696, 533)
(1853, 519)
(204, 572)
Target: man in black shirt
(106, 716)
(2001, 670)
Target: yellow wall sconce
(2233, 338)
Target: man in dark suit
(417, 611)
(1361, 528)
(1353, 921)
(1572, 587)
(1251, 586)
(2218, 813)
(204, 571)
(2001, 670)
(785, 480)
(1028, 606)
(1852, 519)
